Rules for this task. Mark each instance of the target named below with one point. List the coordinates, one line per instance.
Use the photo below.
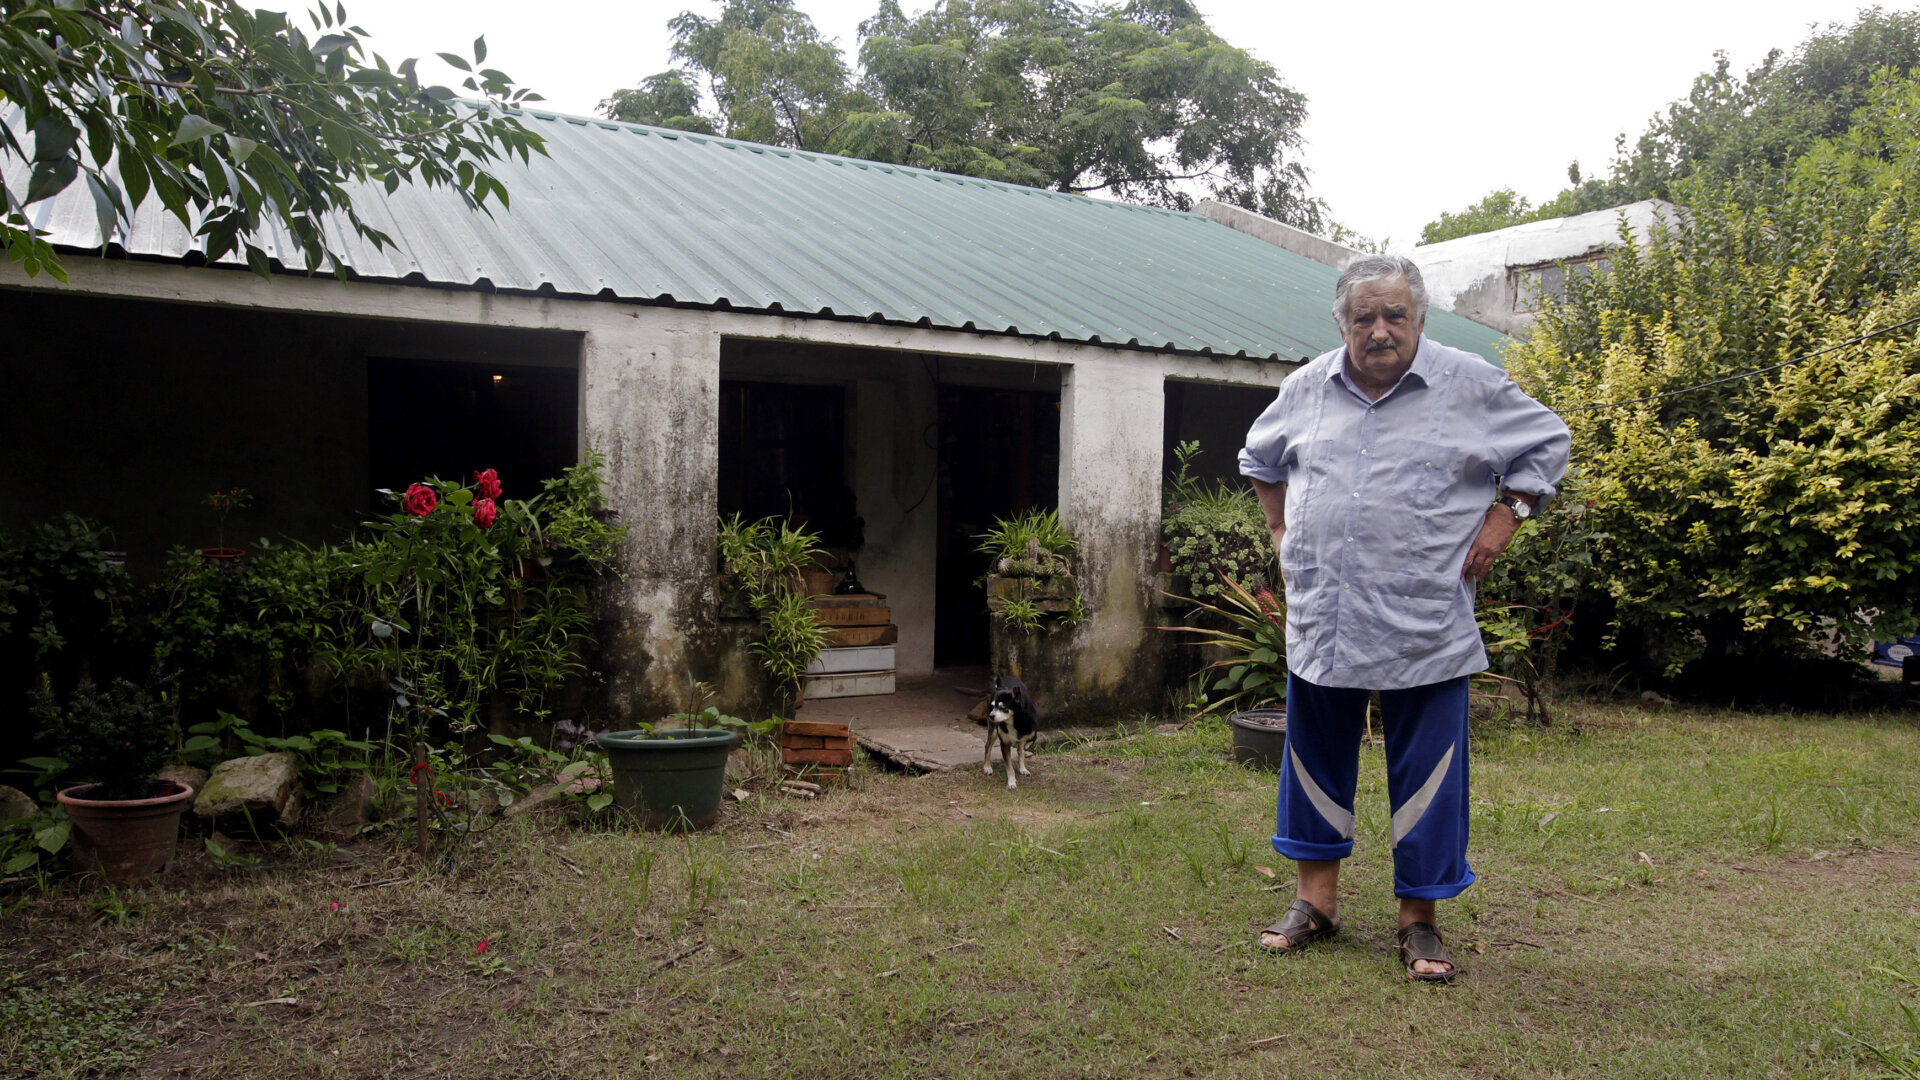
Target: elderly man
(1393, 472)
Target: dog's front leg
(1010, 756)
(1026, 754)
(990, 737)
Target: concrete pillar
(1111, 418)
(650, 401)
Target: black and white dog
(1013, 721)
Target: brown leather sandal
(1302, 925)
(1420, 941)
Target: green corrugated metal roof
(632, 213)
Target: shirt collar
(1419, 373)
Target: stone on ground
(250, 795)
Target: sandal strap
(1421, 941)
(1302, 916)
(1302, 920)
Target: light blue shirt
(1384, 499)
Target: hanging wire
(1743, 375)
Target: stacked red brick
(817, 751)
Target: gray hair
(1373, 268)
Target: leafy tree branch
(236, 121)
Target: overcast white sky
(1414, 108)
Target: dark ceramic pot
(670, 777)
(1260, 736)
(125, 841)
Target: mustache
(1381, 346)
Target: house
(896, 355)
(1500, 278)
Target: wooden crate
(842, 637)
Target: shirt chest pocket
(1425, 472)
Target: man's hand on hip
(1495, 534)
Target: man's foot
(1302, 925)
(1424, 954)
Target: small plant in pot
(117, 736)
(674, 777)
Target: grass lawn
(1662, 894)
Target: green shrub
(117, 736)
(1215, 533)
(1747, 518)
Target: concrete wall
(649, 379)
(1279, 234)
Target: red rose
(484, 512)
(420, 500)
(488, 481)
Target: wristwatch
(1521, 511)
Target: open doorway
(519, 420)
(999, 456)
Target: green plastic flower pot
(670, 777)
(1260, 736)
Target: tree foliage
(1732, 128)
(1752, 517)
(235, 120)
(1140, 100)
(1497, 211)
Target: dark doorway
(435, 418)
(1216, 417)
(783, 453)
(999, 456)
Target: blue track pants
(1426, 736)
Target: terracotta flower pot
(125, 841)
(224, 558)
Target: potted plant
(762, 570)
(675, 777)
(125, 822)
(1031, 593)
(224, 503)
(1248, 632)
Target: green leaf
(479, 48)
(54, 837)
(456, 60)
(331, 44)
(599, 801)
(242, 147)
(54, 138)
(20, 862)
(50, 178)
(194, 127)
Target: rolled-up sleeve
(1530, 441)
(1264, 458)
